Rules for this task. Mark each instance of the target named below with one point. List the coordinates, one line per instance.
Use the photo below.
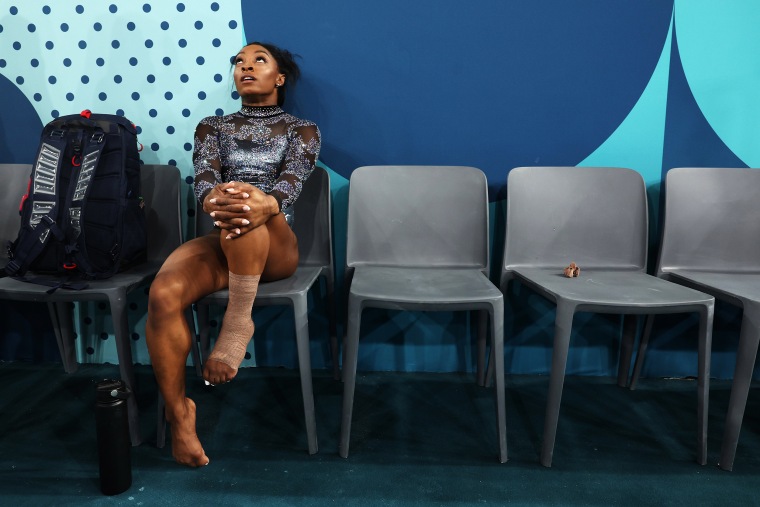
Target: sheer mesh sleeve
(206, 160)
(304, 142)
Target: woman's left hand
(245, 207)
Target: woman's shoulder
(294, 122)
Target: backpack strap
(43, 217)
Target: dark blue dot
(148, 43)
(52, 80)
(151, 78)
(146, 8)
(112, 8)
(164, 25)
(233, 24)
(117, 79)
(138, 129)
(153, 113)
(154, 146)
(80, 9)
(1, 28)
(90, 351)
(216, 43)
(85, 79)
(82, 44)
(181, 7)
(115, 44)
(54, 113)
(202, 95)
(188, 147)
(168, 95)
(31, 27)
(98, 27)
(69, 96)
(189, 180)
(130, 26)
(184, 78)
(235, 95)
(214, 6)
(133, 61)
(100, 62)
(200, 60)
(49, 45)
(14, 10)
(35, 62)
(172, 162)
(20, 80)
(247, 355)
(17, 45)
(103, 336)
(170, 130)
(119, 112)
(37, 97)
(167, 60)
(198, 25)
(135, 96)
(64, 27)
(2, 63)
(182, 43)
(219, 112)
(186, 113)
(218, 78)
(102, 96)
(135, 336)
(46, 10)
(67, 62)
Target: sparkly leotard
(263, 146)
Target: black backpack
(82, 216)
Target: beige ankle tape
(237, 327)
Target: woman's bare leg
(194, 270)
(268, 252)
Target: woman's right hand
(239, 207)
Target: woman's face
(257, 76)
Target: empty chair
(313, 228)
(596, 217)
(417, 239)
(711, 242)
(161, 192)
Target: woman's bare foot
(186, 448)
(217, 372)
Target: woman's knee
(166, 294)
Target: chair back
(593, 216)
(712, 220)
(418, 216)
(313, 219)
(15, 178)
(160, 186)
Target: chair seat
(742, 286)
(299, 283)
(423, 286)
(600, 290)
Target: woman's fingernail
(230, 189)
(229, 236)
(246, 208)
(237, 231)
(217, 223)
(245, 196)
(212, 201)
(213, 213)
(245, 222)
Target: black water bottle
(112, 428)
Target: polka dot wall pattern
(164, 65)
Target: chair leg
(161, 422)
(703, 383)
(642, 351)
(484, 374)
(497, 353)
(745, 362)
(630, 326)
(350, 354)
(563, 325)
(202, 311)
(332, 319)
(300, 312)
(124, 353)
(194, 341)
(63, 326)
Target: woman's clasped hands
(238, 207)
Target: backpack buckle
(98, 137)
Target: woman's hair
(286, 63)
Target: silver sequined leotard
(263, 146)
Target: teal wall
(494, 84)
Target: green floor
(418, 439)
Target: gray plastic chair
(313, 227)
(596, 217)
(711, 242)
(160, 188)
(417, 239)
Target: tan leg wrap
(237, 327)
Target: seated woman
(249, 169)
